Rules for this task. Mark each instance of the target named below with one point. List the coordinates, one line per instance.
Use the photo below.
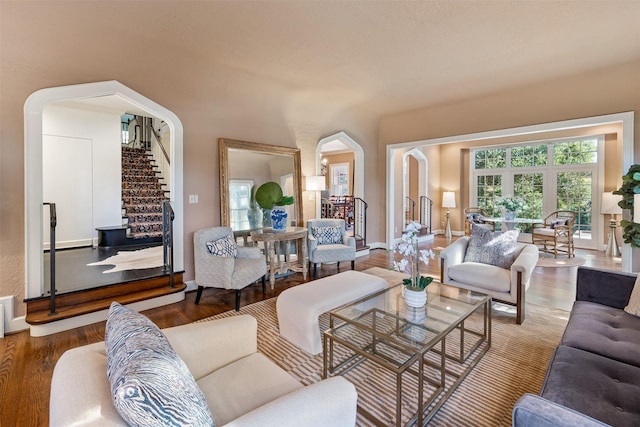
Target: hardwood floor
(26, 363)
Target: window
(239, 201)
(340, 179)
(548, 176)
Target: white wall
(103, 130)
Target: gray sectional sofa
(593, 378)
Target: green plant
(630, 187)
(270, 194)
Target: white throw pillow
(634, 301)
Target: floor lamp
(610, 206)
(448, 201)
(316, 184)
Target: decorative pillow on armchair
(225, 246)
(150, 384)
(492, 247)
(327, 235)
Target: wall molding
(8, 323)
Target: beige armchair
(472, 218)
(328, 242)
(555, 236)
(506, 285)
(241, 385)
(235, 270)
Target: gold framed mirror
(246, 164)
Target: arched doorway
(100, 93)
(414, 164)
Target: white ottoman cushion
(300, 307)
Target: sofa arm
(531, 410)
(452, 255)
(349, 241)
(611, 288)
(331, 402)
(249, 252)
(525, 262)
(208, 346)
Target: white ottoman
(300, 307)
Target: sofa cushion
(150, 384)
(226, 388)
(484, 276)
(494, 248)
(601, 388)
(225, 247)
(604, 330)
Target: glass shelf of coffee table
(422, 343)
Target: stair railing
(53, 221)
(167, 239)
(160, 144)
(360, 219)
(426, 212)
(409, 210)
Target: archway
(358, 152)
(394, 151)
(99, 92)
(415, 181)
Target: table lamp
(610, 206)
(448, 201)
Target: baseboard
(99, 316)
(377, 245)
(69, 244)
(191, 285)
(8, 323)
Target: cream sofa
(242, 386)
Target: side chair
(220, 263)
(328, 242)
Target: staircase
(142, 196)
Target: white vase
(414, 298)
(509, 215)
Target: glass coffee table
(422, 352)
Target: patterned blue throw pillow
(494, 248)
(225, 246)
(150, 384)
(327, 235)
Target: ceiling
(392, 56)
(381, 57)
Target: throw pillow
(150, 384)
(494, 248)
(558, 221)
(327, 235)
(633, 307)
(225, 246)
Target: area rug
(515, 364)
(548, 260)
(133, 260)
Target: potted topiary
(630, 187)
(270, 198)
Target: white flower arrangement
(511, 203)
(408, 247)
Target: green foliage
(423, 282)
(270, 194)
(630, 187)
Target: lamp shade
(448, 199)
(610, 204)
(316, 183)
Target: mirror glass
(244, 165)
